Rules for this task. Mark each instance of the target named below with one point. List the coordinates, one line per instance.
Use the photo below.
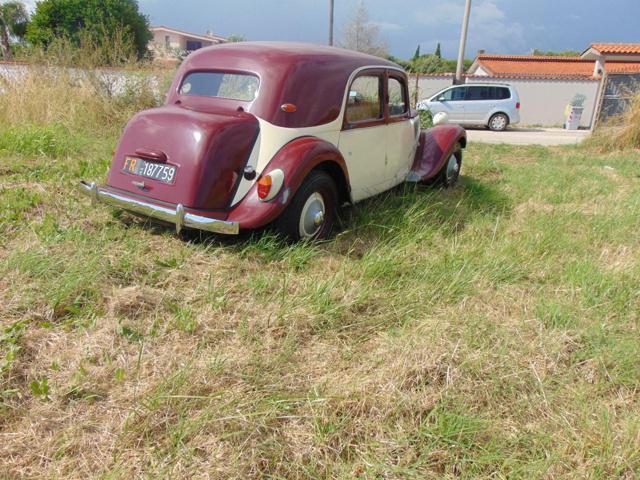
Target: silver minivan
(491, 105)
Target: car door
(363, 137)
(401, 134)
(480, 100)
(452, 103)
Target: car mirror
(441, 98)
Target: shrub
(426, 119)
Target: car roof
(285, 53)
(312, 77)
(476, 84)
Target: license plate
(157, 171)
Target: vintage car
(260, 133)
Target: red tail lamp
(264, 187)
(269, 185)
(518, 106)
(289, 108)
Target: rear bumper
(178, 216)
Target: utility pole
(331, 22)
(463, 43)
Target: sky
(497, 26)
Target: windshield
(236, 86)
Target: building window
(167, 42)
(191, 45)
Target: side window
(503, 93)
(365, 99)
(398, 103)
(458, 93)
(455, 94)
(446, 95)
(478, 93)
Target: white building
(169, 42)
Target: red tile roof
(622, 67)
(530, 66)
(617, 48)
(536, 66)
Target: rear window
(235, 86)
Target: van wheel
(499, 122)
(312, 212)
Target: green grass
(489, 331)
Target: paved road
(529, 136)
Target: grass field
(489, 331)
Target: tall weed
(622, 132)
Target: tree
(431, 63)
(13, 23)
(563, 53)
(417, 54)
(362, 35)
(96, 20)
(438, 51)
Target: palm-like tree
(13, 23)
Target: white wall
(428, 85)
(544, 102)
(112, 82)
(175, 41)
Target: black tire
(449, 177)
(317, 183)
(499, 122)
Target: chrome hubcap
(452, 168)
(498, 123)
(312, 216)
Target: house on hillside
(168, 43)
(548, 84)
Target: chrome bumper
(178, 217)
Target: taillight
(264, 187)
(518, 106)
(270, 185)
(289, 108)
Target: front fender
(435, 147)
(296, 159)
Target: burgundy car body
(211, 141)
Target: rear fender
(435, 147)
(296, 159)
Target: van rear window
(236, 86)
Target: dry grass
(82, 100)
(621, 133)
(490, 331)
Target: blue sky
(498, 26)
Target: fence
(618, 94)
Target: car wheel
(451, 171)
(499, 122)
(312, 212)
